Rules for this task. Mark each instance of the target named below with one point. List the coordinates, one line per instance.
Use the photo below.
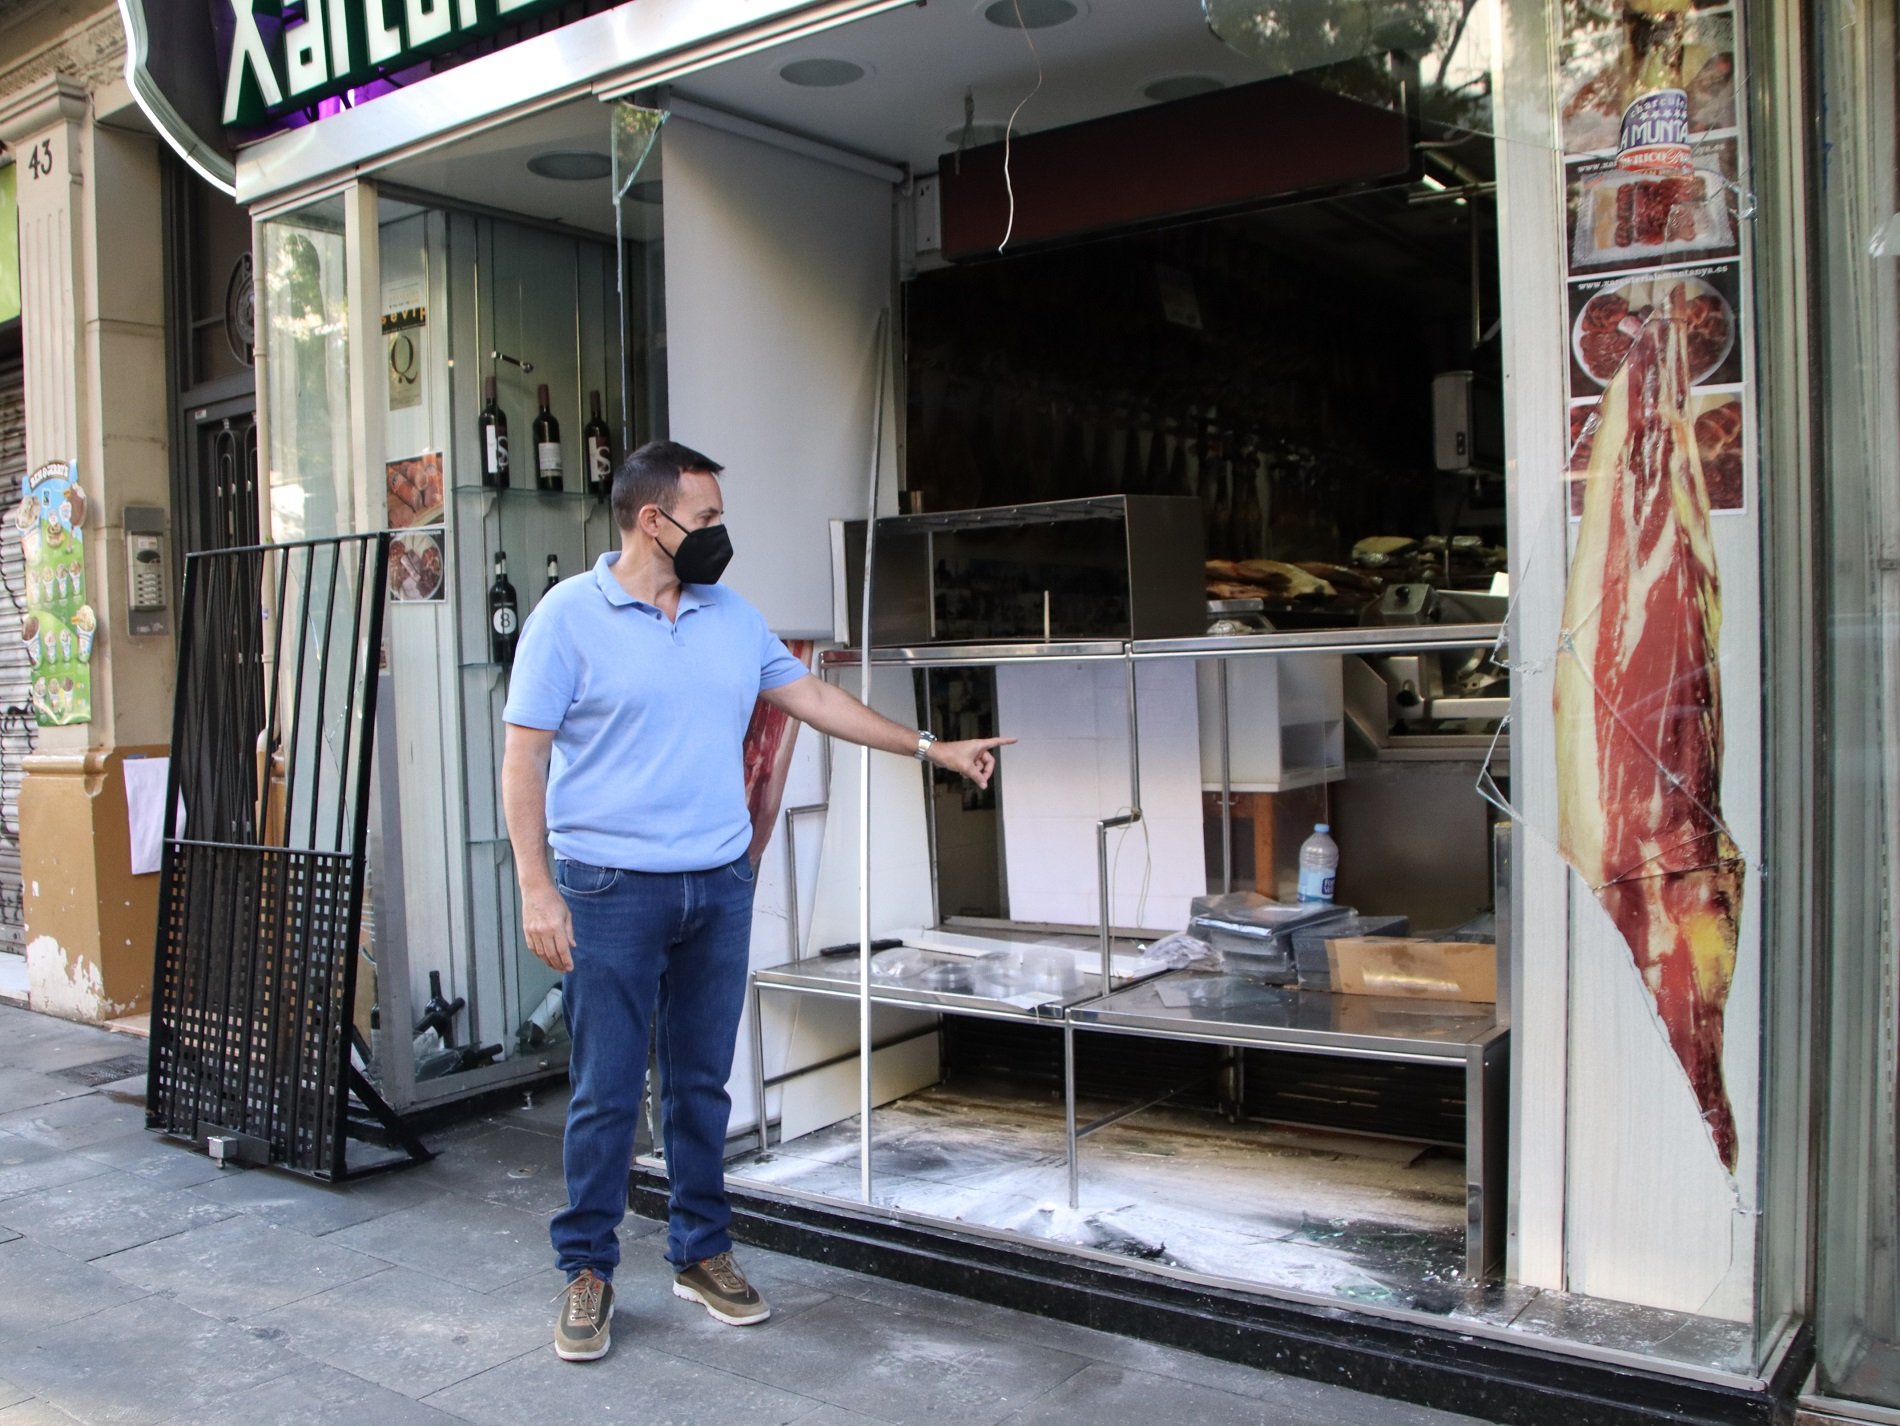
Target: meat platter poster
(1635, 230)
(418, 558)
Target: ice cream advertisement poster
(58, 626)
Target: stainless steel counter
(1215, 1008)
(1228, 1009)
(941, 980)
(1223, 1009)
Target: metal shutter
(16, 670)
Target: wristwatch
(925, 740)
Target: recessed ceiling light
(571, 166)
(974, 135)
(822, 73)
(1182, 86)
(1030, 14)
(647, 190)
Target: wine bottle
(494, 430)
(598, 442)
(554, 575)
(547, 447)
(439, 1014)
(504, 622)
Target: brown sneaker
(586, 1323)
(718, 1284)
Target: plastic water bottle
(1319, 865)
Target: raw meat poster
(1655, 252)
(418, 558)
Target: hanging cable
(1009, 129)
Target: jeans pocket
(742, 870)
(580, 879)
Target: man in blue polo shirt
(627, 709)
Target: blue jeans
(651, 949)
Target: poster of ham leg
(1657, 735)
(1640, 712)
(768, 759)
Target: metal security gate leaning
(261, 892)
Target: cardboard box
(1405, 965)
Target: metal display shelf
(1210, 1008)
(1380, 640)
(1411, 639)
(966, 655)
(942, 980)
(1230, 1010)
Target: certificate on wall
(405, 322)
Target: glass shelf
(528, 492)
(1432, 637)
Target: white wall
(777, 267)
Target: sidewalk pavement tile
(507, 1164)
(409, 1332)
(478, 1245)
(317, 1395)
(829, 1415)
(10, 1394)
(26, 1088)
(73, 1123)
(45, 1043)
(7, 1235)
(1003, 1324)
(41, 1287)
(308, 1206)
(906, 1367)
(34, 1412)
(26, 1167)
(632, 1383)
(167, 1163)
(107, 1214)
(1105, 1393)
(239, 1268)
(144, 1361)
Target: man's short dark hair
(651, 476)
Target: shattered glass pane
(1435, 54)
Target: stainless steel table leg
(1068, 1097)
(758, 1057)
(1487, 1080)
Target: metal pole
(864, 772)
(1134, 735)
(758, 1056)
(1102, 829)
(1226, 781)
(1068, 1096)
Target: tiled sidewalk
(139, 1283)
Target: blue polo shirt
(649, 717)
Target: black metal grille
(261, 900)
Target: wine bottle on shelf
(494, 430)
(547, 447)
(599, 445)
(554, 575)
(504, 619)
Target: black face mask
(703, 555)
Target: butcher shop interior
(1306, 396)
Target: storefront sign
(58, 626)
(216, 75)
(276, 65)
